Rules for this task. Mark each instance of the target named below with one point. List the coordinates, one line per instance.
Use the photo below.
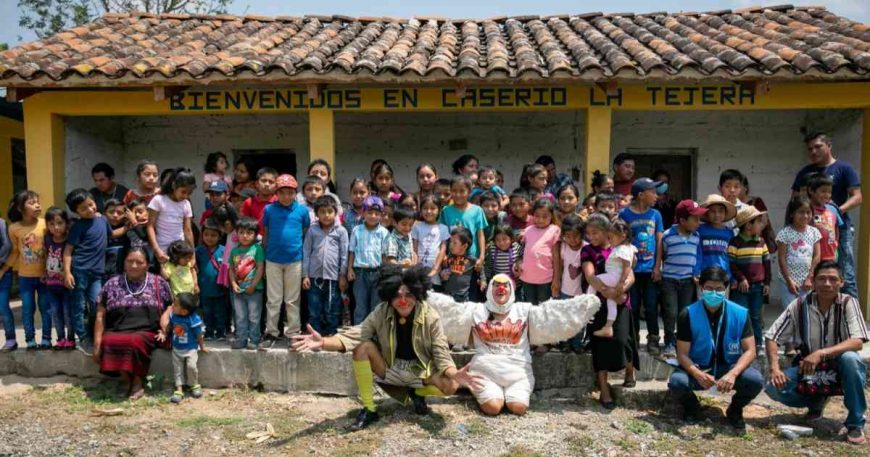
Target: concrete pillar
(321, 136)
(598, 124)
(44, 136)
(863, 259)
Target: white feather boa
(549, 322)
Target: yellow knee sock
(362, 372)
(429, 391)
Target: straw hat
(716, 199)
(747, 214)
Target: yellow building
(695, 93)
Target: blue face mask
(713, 298)
(662, 188)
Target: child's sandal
(176, 397)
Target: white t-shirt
(572, 272)
(429, 238)
(622, 252)
(169, 226)
(798, 251)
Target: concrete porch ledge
(282, 371)
(327, 373)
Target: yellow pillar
(598, 124)
(321, 136)
(44, 139)
(863, 260)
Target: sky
(857, 10)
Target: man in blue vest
(715, 346)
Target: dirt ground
(61, 416)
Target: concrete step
(556, 373)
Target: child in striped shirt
(750, 266)
(681, 266)
(502, 253)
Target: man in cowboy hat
(400, 345)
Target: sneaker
(855, 435)
(177, 396)
(251, 347)
(653, 348)
(44, 345)
(734, 416)
(86, 346)
(267, 343)
(420, 406)
(239, 345)
(9, 346)
(813, 415)
(364, 419)
(196, 391)
(670, 350)
(59, 346)
(691, 409)
(31, 345)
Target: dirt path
(61, 417)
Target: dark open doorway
(678, 162)
(283, 160)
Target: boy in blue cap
(646, 235)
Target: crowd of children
(264, 256)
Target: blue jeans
(645, 296)
(853, 375)
(365, 292)
(5, 309)
(215, 313)
(324, 306)
(846, 260)
(247, 310)
(84, 296)
(754, 302)
(747, 386)
(59, 301)
(32, 293)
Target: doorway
(678, 162)
(282, 160)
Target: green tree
(47, 17)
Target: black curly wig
(416, 279)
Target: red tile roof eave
(436, 78)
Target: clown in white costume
(503, 332)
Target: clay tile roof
(773, 42)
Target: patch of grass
(626, 444)
(358, 448)
(201, 421)
(477, 427)
(638, 427)
(580, 444)
(521, 451)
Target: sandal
(608, 405)
(137, 394)
(629, 383)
